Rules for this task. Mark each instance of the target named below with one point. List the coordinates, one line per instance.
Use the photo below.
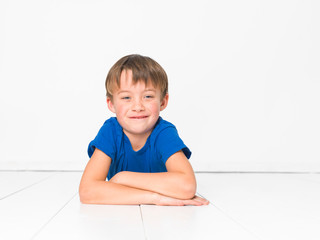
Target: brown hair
(143, 69)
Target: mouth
(138, 117)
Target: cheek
(154, 107)
(121, 109)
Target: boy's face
(137, 107)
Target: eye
(149, 96)
(125, 98)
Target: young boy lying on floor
(141, 154)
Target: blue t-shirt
(163, 142)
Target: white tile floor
(45, 205)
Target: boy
(142, 155)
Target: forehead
(127, 83)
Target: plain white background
(244, 78)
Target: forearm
(94, 189)
(172, 184)
(102, 192)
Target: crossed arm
(175, 187)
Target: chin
(141, 131)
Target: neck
(137, 141)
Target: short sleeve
(168, 143)
(105, 140)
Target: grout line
(26, 187)
(54, 216)
(144, 228)
(231, 218)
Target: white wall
(244, 78)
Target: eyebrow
(146, 90)
(150, 89)
(123, 91)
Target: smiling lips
(138, 117)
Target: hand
(162, 200)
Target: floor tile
(273, 206)
(26, 212)
(13, 182)
(83, 221)
(190, 222)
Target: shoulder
(162, 126)
(111, 125)
(167, 141)
(106, 138)
(111, 122)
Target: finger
(192, 202)
(202, 200)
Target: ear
(164, 102)
(110, 105)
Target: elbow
(188, 189)
(85, 195)
(190, 192)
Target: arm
(94, 189)
(179, 182)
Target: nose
(138, 106)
